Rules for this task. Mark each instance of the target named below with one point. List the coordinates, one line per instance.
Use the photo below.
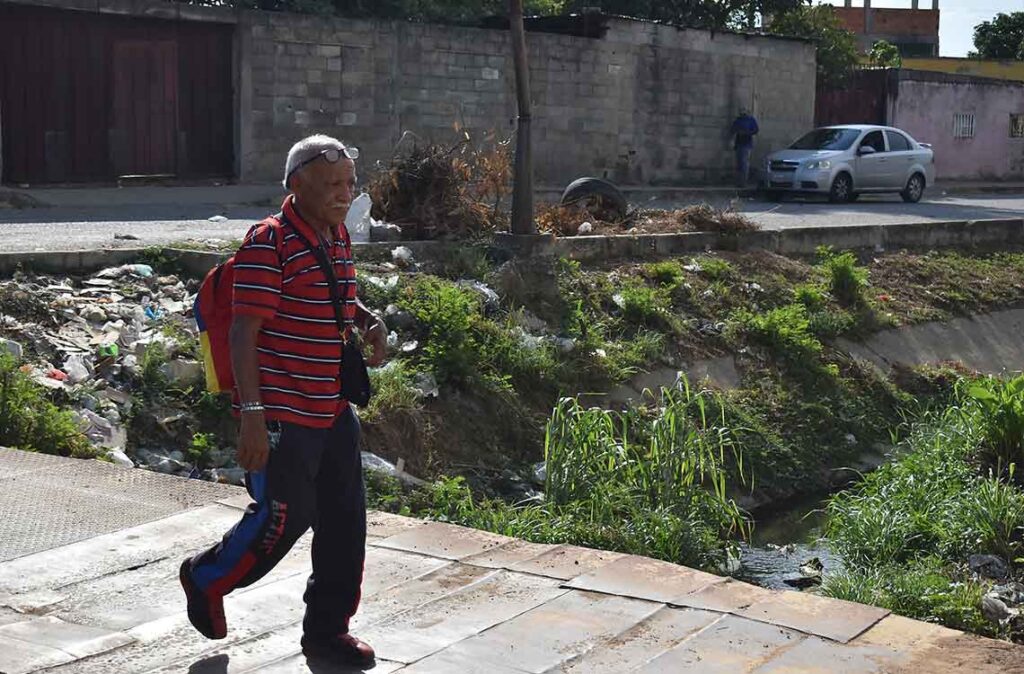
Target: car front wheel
(842, 189)
(914, 190)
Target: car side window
(897, 142)
(875, 140)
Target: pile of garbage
(436, 191)
(586, 219)
(120, 350)
(91, 341)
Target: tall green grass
(907, 530)
(650, 480)
(674, 458)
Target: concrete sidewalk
(436, 598)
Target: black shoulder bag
(355, 378)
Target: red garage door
(89, 97)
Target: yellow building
(1002, 70)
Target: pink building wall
(925, 104)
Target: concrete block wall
(646, 104)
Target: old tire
(914, 190)
(605, 193)
(841, 190)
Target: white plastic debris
(358, 219)
(564, 344)
(141, 270)
(402, 256)
(101, 432)
(491, 300)
(77, 368)
(425, 385)
(182, 371)
(11, 347)
(585, 228)
(119, 458)
(389, 283)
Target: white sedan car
(847, 161)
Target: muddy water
(783, 540)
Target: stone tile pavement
(437, 598)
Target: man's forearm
(245, 363)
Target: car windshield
(827, 139)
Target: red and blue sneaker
(205, 611)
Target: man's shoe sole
(215, 609)
(319, 652)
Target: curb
(984, 234)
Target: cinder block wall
(645, 104)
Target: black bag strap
(328, 269)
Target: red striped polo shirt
(277, 278)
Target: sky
(957, 19)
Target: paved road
(69, 228)
(875, 210)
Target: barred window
(1017, 126)
(963, 125)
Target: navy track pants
(313, 478)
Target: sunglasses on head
(331, 155)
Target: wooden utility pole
(522, 176)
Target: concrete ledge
(983, 234)
(806, 240)
(65, 262)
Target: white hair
(307, 149)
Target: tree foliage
(1001, 38)
(703, 13)
(837, 47)
(885, 55)
(713, 14)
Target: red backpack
(212, 311)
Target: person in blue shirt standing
(744, 129)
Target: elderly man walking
(298, 438)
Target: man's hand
(253, 445)
(377, 337)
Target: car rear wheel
(914, 190)
(842, 189)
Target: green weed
(786, 330)
(153, 358)
(645, 306)
(715, 268)
(811, 295)
(1001, 417)
(392, 391)
(202, 445)
(30, 420)
(846, 279)
(667, 272)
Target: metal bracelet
(250, 407)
